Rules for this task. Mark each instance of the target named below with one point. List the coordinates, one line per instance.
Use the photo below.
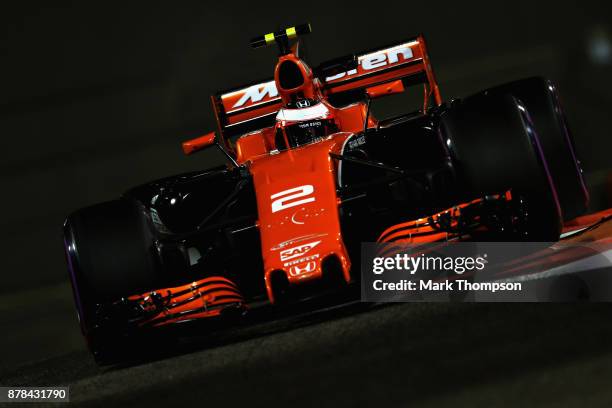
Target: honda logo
(304, 103)
(304, 268)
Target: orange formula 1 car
(311, 174)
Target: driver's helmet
(306, 121)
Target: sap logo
(297, 251)
(300, 269)
(377, 60)
(256, 93)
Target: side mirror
(390, 88)
(199, 143)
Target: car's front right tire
(110, 251)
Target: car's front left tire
(541, 99)
(494, 148)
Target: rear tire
(495, 148)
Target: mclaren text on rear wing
(246, 106)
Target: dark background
(96, 97)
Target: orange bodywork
(297, 203)
(309, 88)
(204, 298)
(423, 230)
(198, 143)
(260, 143)
(407, 60)
(385, 89)
(298, 211)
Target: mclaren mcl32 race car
(311, 174)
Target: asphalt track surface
(422, 354)
(415, 354)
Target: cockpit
(303, 122)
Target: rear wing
(254, 106)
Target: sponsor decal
(360, 141)
(257, 93)
(302, 260)
(305, 268)
(295, 240)
(377, 60)
(297, 251)
(307, 125)
(368, 62)
(303, 103)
